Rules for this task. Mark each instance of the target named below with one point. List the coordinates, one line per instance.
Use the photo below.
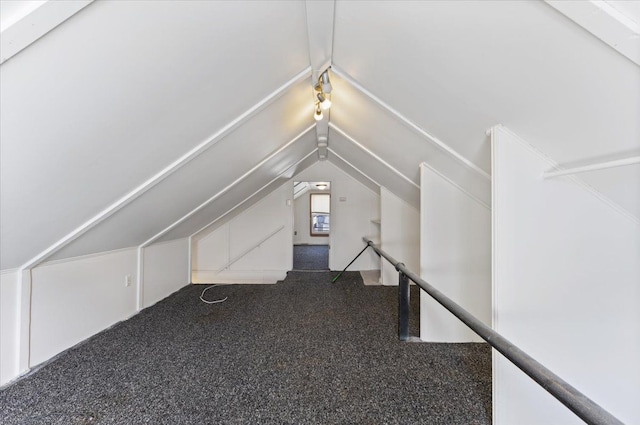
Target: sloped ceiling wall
(455, 69)
(122, 89)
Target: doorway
(312, 225)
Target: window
(320, 207)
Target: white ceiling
(456, 69)
(11, 11)
(120, 91)
(630, 9)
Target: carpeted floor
(303, 351)
(311, 257)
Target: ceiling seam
(333, 31)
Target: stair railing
(585, 408)
(248, 250)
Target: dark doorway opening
(311, 257)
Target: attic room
(158, 165)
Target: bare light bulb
(318, 115)
(325, 102)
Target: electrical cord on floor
(211, 302)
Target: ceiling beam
(320, 27)
(604, 21)
(592, 167)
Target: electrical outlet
(127, 280)
(295, 232)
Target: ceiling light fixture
(321, 186)
(325, 83)
(318, 114)
(323, 88)
(325, 102)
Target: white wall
(8, 325)
(75, 299)
(565, 289)
(267, 263)
(455, 257)
(302, 220)
(399, 234)
(353, 206)
(166, 269)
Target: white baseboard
(237, 276)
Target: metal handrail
(585, 408)
(248, 250)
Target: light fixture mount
(318, 115)
(322, 101)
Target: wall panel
(455, 257)
(399, 235)
(9, 281)
(166, 269)
(565, 289)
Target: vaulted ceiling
(128, 122)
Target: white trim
(346, 174)
(605, 22)
(439, 143)
(168, 241)
(254, 193)
(382, 161)
(496, 259)
(140, 279)
(456, 185)
(552, 164)
(190, 260)
(202, 277)
(246, 251)
(317, 30)
(592, 167)
(227, 188)
(36, 24)
(25, 287)
(164, 173)
(83, 257)
(356, 169)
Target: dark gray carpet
(303, 351)
(311, 257)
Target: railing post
(404, 307)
